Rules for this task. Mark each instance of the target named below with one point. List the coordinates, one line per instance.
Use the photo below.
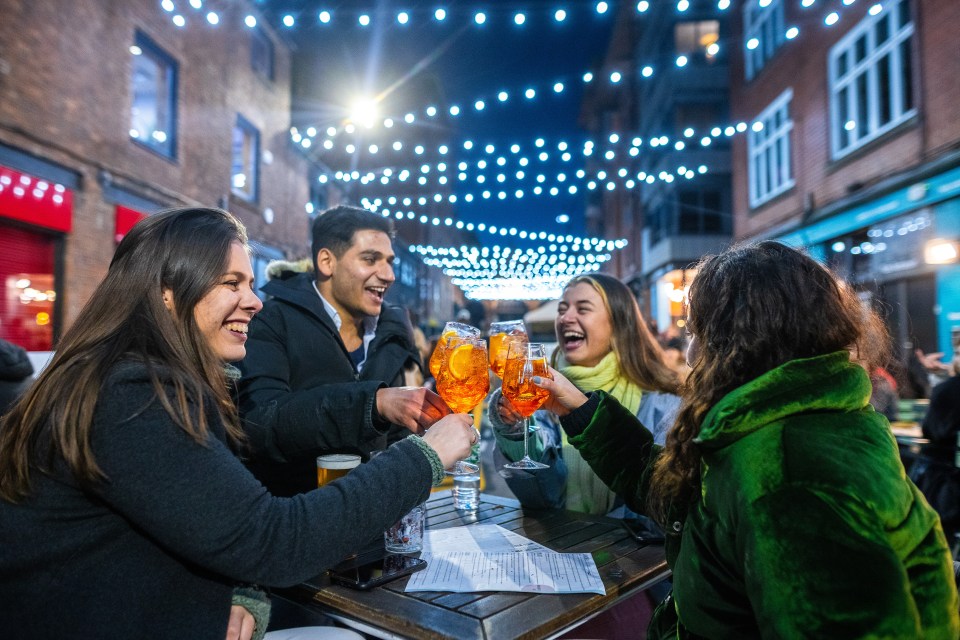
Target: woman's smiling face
(224, 313)
(583, 326)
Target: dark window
(244, 172)
(261, 53)
(153, 84)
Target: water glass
(406, 534)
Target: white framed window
(763, 33)
(871, 78)
(244, 171)
(770, 170)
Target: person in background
(780, 488)
(884, 397)
(938, 477)
(327, 358)
(604, 344)
(124, 509)
(16, 373)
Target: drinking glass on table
(450, 330)
(334, 465)
(502, 335)
(524, 361)
(463, 382)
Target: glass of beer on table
(334, 465)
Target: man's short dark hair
(334, 228)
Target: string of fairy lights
(181, 12)
(488, 171)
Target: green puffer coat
(806, 526)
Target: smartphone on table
(643, 531)
(367, 574)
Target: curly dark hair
(753, 308)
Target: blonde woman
(603, 344)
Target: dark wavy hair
(182, 250)
(640, 355)
(753, 308)
(334, 228)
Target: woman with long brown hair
(785, 504)
(124, 509)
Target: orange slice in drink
(461, 361)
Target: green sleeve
(620, 451)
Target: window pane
(153, 95)
(860, 49)
(244, 154)
(863, 101)
(885, 94)
(843, 133)
(906, 80)
(882, 31)
(261, 53)
(903, 14)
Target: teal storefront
(884, 247)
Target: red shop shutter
(26, 276)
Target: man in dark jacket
(326, 358)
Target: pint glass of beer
(333, 466)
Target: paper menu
(529, 571)
(490, 538)
(487, 557)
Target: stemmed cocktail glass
(450, 330)
(524, 361)
(463, 381)
(502, 335)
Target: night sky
(426, 62)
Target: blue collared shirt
(369, 325)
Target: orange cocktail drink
(450, 330)
(502, 335)
(524, 363)
(462, 380)
(518, 386)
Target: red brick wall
(65, 97)
(802, 65)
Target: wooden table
(388, 612)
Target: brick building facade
(857, 152)
(65, 117)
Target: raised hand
(452, 437)
(564, 396)
(415, 408)
(508, 414)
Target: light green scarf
(585, 491)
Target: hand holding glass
(463, 382)
(523, 363)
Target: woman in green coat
(787, 510)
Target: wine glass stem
(526, 434)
